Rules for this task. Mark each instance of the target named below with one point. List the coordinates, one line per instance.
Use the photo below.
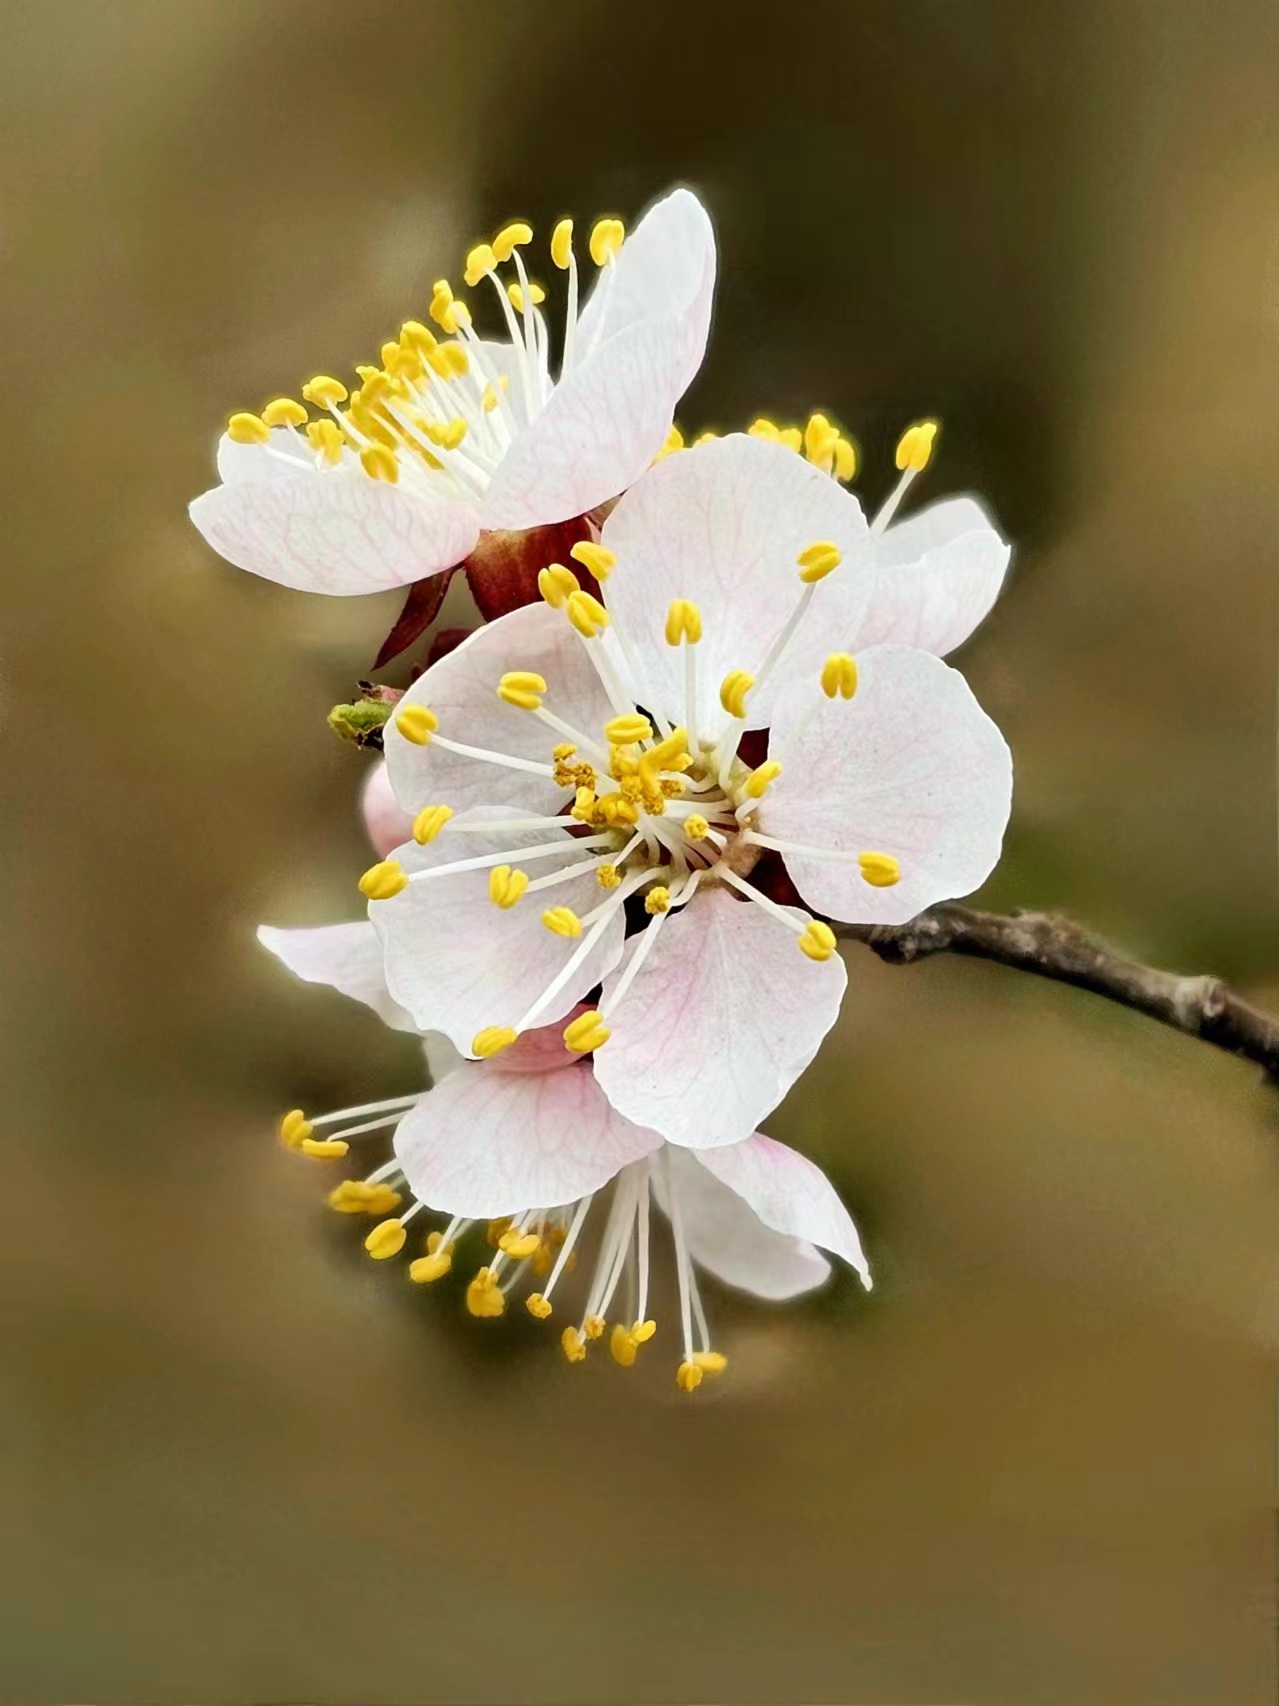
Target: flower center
(439, 414)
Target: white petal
(724, 1015)
(666, 269)
(462, 691)
(790, 1193)
(237, 462)
(335, 532)
(460, 964)
(727, 1238)
(386, 822)
(911, 766)
(347, 957)
(936, 575)
(722, 525)
(489, 1142)
(601, 427)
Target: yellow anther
(573, 1345)
(284, 412)
(245, 428)
(563, 751)
(583, 805)
(327, 438)
(446, 309)
(454, 356)
(764, 428)
(380, 463)
(353, 1196)
(383, 880)
(594, 1326)
(915, 446)
(496, 1229)
(733, 690)
(817, 941)
(880, 870)
(616, 810)
(416, 336)
(557, 585)
(512, 237)
(492, 1040)
(688, 1377)
(562, 921)
(839, 675)
(429, 822)
(519, 1245)
(484, 1296)
(820, 439)
(760, 780)
(586, 614)
(538, 1306)
(522, 688)
(417, 723)
(673, 441)
(386, 1239)
(671, 788)
(586, 1032)
(623, 1347)
(710, 1362)
(818, 560)
(683, 622)
(669, 754)
(642, 1331)
(657, 900)
(597, 560)
(606, 876)
(479, 264)
(516, 293)
(324, 1149)
(506, 886)
(324, 391)
(791, 437)
(627, 729)
(845, 459)
(707, 437)
(562, 244)
(696, 828)
(294, 1129)
(606, 239)
(427, 1269)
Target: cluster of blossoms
(615, 823)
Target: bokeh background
(243, 1464)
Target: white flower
(393, 482)
(525, 1142)
(740, 583)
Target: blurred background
(242, 1463)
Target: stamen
(586, 614)
(606, 239)
(839, 676)
(914, 452)
(417, 723)
(486, 861)
(386, 1239)
(383, 880)
(586, 1033)
(812, 933)
(733, 690)
(557, 584)
(881, 870)
(596, 559)
(506, 886)
(246, 428)
(429, 822)
(284, 412)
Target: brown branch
(1055, 947)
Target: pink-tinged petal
(538, 1050)
(936, 575)
(724, 1015)
(462, 691)
(601, 427)
(459, 964)
(336, 531)
(386, 822)
(346, 957)
(488, 1142)
(727, 1238)
(911, 766)
(723, 525)
(790, 1193)
(666, 270)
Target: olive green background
(242, 1464)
